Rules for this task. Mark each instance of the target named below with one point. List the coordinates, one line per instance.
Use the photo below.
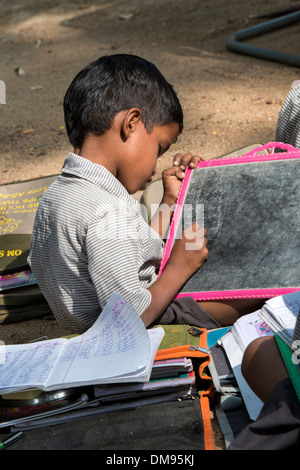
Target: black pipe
(234, 42)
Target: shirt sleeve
(115, 257)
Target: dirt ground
(229, 100)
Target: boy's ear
(130, 121)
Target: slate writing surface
(252, 217)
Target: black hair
(115, 83)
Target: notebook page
(117, 348)
(24, 366)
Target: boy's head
(113, 84)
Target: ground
(229, 100)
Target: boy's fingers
(195, 160)
(195, 230)
(177, 158)
(185, 160)
(182, 160)
(170, 171)
(174, 171)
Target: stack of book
(170, 379)
(20, 297)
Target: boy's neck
(99, 149)
(107, 148)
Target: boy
(89, 238)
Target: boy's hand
(187, 256)
(172, 177)
(190, 251)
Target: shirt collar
(79, 166)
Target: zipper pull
(197, 348)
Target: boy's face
(139, 164)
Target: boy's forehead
(169, 132)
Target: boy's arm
(188, 255)
(161, 220)
(113, 257)
(172, 180)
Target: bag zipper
(179, 351)
(198, 348)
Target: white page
(117, 348)
(235, 356)
(28, 365)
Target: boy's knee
(254, 354)
(263, 367)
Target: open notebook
(117, 348)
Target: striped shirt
(89, 239)
(288, 124)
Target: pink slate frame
(252, 156)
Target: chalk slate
(252, 217)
